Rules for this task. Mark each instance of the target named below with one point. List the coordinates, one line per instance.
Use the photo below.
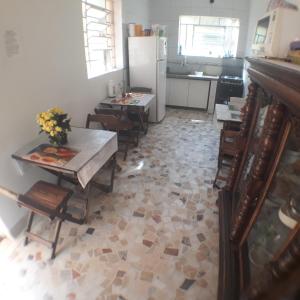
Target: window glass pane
(96, 13)
(100, 3)
(189, 36)
(209, 21)
(208, 36)
(96, 27)
(193, 20)
(99, 37)
(182, 35)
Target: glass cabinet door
(281, 209)
(264, 103)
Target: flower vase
(59, 140)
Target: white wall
(48, 70)
(257, 10)
(134, 11)
(167, 12)
(137, 11)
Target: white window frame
(110, 55)
(184, 49)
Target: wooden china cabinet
(260, 206)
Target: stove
(234, 80)
(229, 86)
(225, 77)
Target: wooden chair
(230, 145)
(140, 118)
(47, 200)
(117, 121)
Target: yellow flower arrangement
(55, 123)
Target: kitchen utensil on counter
(197, 73)
(155, 29)
(162, 30)
(147, 32)
(159, 30)
(139, 30)
(131, 29)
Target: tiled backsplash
(228, 66)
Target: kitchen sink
(188, 74)
(180, 73)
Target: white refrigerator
(148, 68)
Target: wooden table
(92, 150)
(137, 102)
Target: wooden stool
(47, 200)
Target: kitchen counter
(193, 91)
(193, 77)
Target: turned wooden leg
(137, 139)
(126, 150)
(142, 125)
(59, 179)
(146, 114)
(87, 204)
(57, 232)
(30, 221)
(112, 177)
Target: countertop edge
(203, 78)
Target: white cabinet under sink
(198, 94)
(188, 93)
(177, 92)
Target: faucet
(184, 58)
(184, 61)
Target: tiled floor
(154, 238)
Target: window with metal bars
(99, 36)
(208, 36)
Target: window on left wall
(99, 36)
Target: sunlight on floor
(155, 237)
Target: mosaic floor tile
(147, 276)
(171, 251)
(154, 237)
(90, 230)
(187, 284)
